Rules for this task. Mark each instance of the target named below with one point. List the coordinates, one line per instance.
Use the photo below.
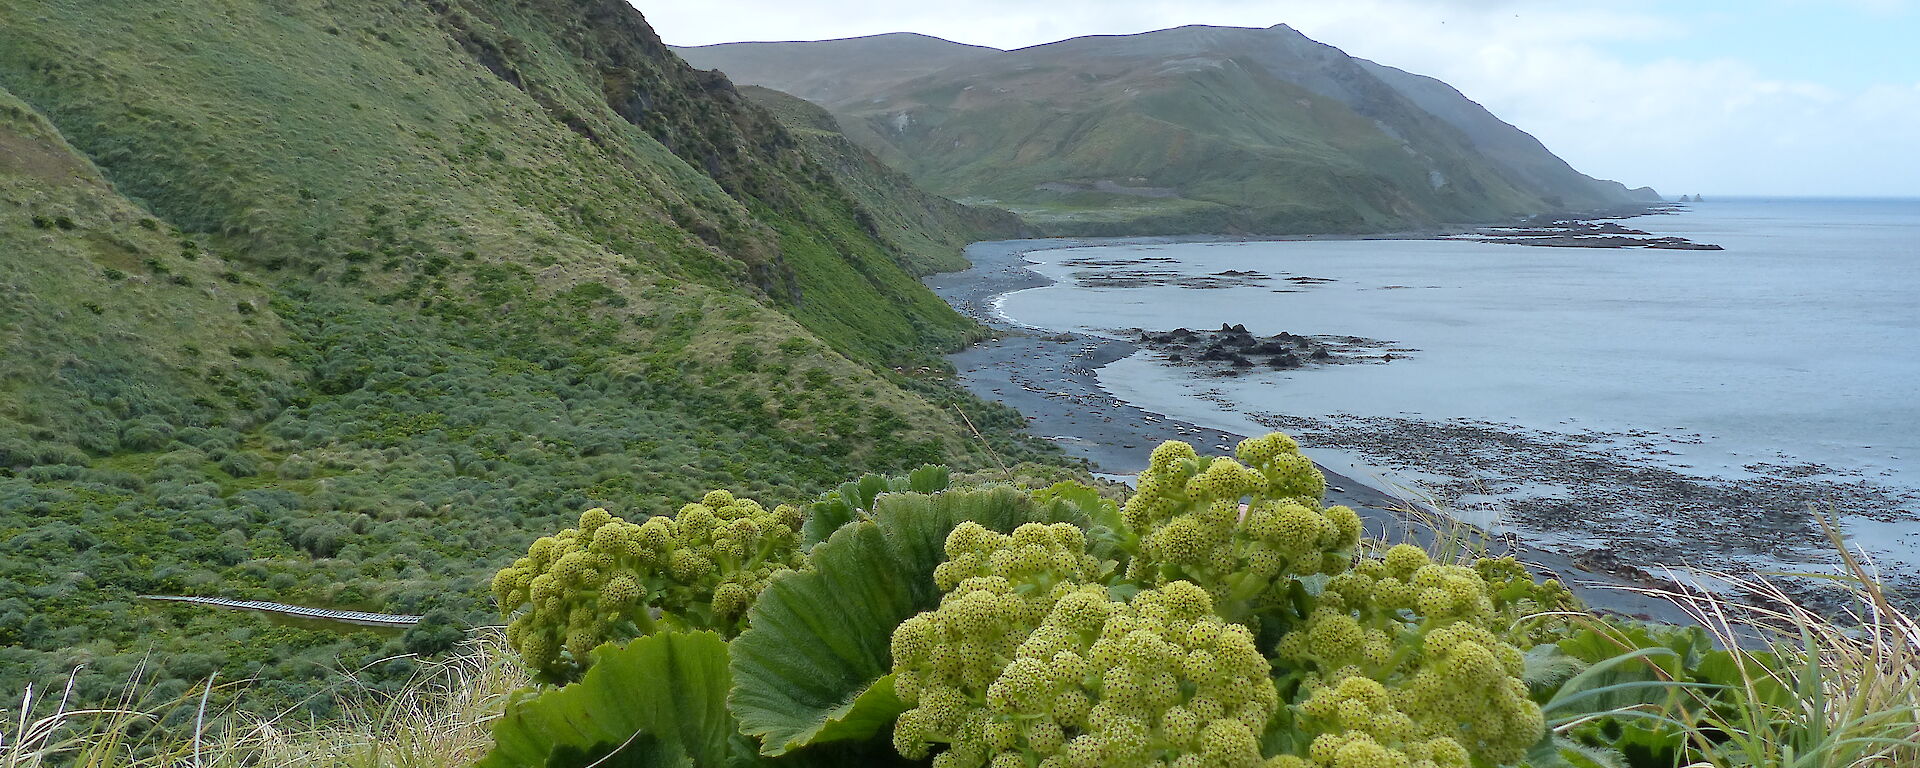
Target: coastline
(1052, 378)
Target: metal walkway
(350, 617)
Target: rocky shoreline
(1609, 502)
(1599, 509)
(1052, 378)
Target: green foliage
(1123, 135)
(1400, 661)
(1636, 689)
(810, 668)
(351, 340)
(855, 499)
(1094, 682)
(610, 580)
(1426, 637)
(998, 627)
(1539, 611)
(928, 232)
(668, 689)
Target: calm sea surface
(1798, 343)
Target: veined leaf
(846, 503)
(930, 478)
(826, 516)
(670, 687)
(812, 667)
(642, 750)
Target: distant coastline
(1052, 378)
(1055, 378)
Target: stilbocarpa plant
(1223, 617)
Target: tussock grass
(1816, 688)
(439, 719)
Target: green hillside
(1195, 129)
(336, 302)
(930, 231)
(1216, 147)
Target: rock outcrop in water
(1233, 349)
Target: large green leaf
(853, 499)
(642, 750)
(669, 688)
(929, 478)
(826, 516)
(811, 668)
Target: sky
(1718, 97)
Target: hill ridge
(1255, 129)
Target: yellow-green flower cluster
(1367, 730)
(1035, 555)
(1156, 680)
(1406, 670)
(998, 588)
(1192, 524)
(1525, 604)
(611, 580)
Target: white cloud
(1555, 70)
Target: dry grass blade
(440, 719)
(1815, 689)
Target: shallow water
(1799, 343)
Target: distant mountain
(1181, 130)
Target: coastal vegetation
(335, 303)
(930, 230)
(499, 314)
(988, 622)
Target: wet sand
(1051, 378)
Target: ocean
(1786, 365)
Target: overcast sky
(1791, 97)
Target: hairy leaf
(931, 478)
(670, 686)
(1548, 668)
(852, 499)
(812, 668)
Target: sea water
(1799, 343)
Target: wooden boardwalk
(350, 617)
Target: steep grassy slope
(930, 231)
(1182, 130)
(110, 315)
(1498, 140)
(336, 301)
